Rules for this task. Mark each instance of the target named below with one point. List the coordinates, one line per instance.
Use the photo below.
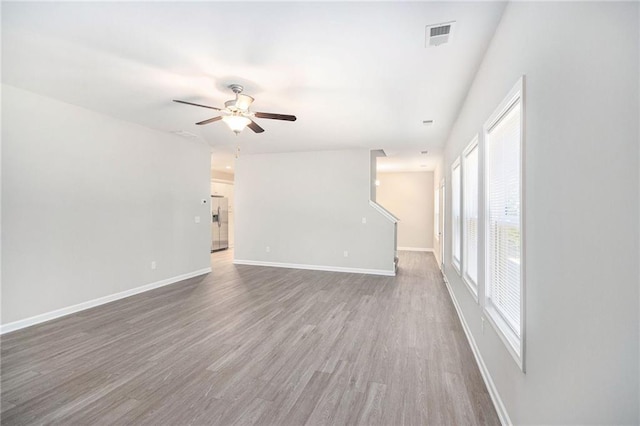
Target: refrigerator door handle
(219, 221)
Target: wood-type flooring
(254, 345)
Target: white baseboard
(27, 322)
(390, 273)
(415, 249)
(491, 387)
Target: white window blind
(455, 213)
(504, 248)
(470, 215)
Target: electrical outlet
(197, 219)
(153, 264)
(346, 253)
(364, 220)
(268, 249)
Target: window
(504, 261)
(455, 213)
(470, 216)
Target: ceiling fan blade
(254, 126)
(211, 120)
(198, 105)
(275, 116)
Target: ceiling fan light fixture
(236, 112)
(237, 123)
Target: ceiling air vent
(439, 34)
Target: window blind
(455, 212)
(503, 222)
(470, 214)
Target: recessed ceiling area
(356, 75)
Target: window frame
(457, 263)
(514, 344)
(469, 282)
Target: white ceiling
(355, 74)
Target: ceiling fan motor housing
(241, 103)
(236, 112)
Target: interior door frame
(441, 225)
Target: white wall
(308, 208)
(409, 196)
(581, 207)
(89, 201)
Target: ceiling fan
(236, 112)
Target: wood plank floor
(254, 345)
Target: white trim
(48, 316)
(472, 289)
(503, 415)
(390, 273)
(516, 95)
(456, 267)
(506, 334)
(416, 249)
(470, 283)
(523, 222)
(442, 224)
(436, 201)
(386, 213)
(457, 164)
(470, 146)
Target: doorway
(441, 223)
(224, 189)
